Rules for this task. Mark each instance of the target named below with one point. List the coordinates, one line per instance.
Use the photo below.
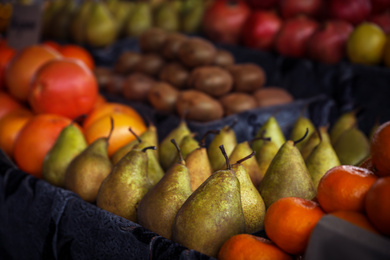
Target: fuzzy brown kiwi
(270, 96)
(213, 80)
(103, 76)
(247, 77)
(163, 96)
(196, 51)
(198, 106)
(152, 40)
(115, 84)
(223, 58)
(175, 74)
(150, 64)
(171, 45)
(126, 62)
(136, 86)
(237, 102)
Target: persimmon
(8, 103)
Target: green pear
(211, 215)
(125, 186)
(49, 15)
(77, 25)
(299, 129)
(100, 26)
(266, 154)
(320, 134)
(60, 25)
(287, 176)
(158, 208)
(344, 122)
(191, 15)
(352, 146)
(167, 155)
(166, 17)
(270, 129)
(227, 138)
(70, 143)
(120, 10)
(139, 20)
(253, 204)
(188, 144)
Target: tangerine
(8, 104)
(289, 221)
(78, 52)
(344, 187)
(380, 149)
(355, 217)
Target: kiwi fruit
(196, 51)
(247, 77)
(198, 106)
(114, 85)
(270, 96)
(126, 62)
(171, 45)
(150, 64)
(152, 40)
(103, 76)
(237, 102)
(175, 74)
(162, 96)
(213, 80)
(136, 86)
(223, 58)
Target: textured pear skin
(87, 170)
(265, 155)
(270, 129)
(346, 121)
(287, 176)
(123, 189)
(211, 215)
(314, 140)
(253, 204)
(240, 151)
(70, 143)
(199, 166)
(299, 129)
(227, 138)
(158, 208)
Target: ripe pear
(60, 25)
(266, 154)
(299, 129)
(139, 20)
(166, 17)
(227, 138)
(158, 208)
(344, 122)
(211, 215)
(287, 176)
(49, 15)
(77, 25)
(320, 134)
(270, 129)
(253, 204)
(167, 155)
(86, 171)
(125, 186)
(70, 143)
(191, 14)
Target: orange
(6, 54)
(356, 218)
(8, 103)
(344, 187)
(289, 221)
(23, 66)
(110, 108)
(100, 100)
(78, 52)
(250, 247)
(65, 87)
(377, 205)
(10, 125)
(35, 139)
(120, 135)
(380, 149)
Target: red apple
(291, 8)
(378, 6)
(263, 4)
(292, 37)
(223, 20)
(260, 29)
(353, 11)
(327, 44)
(382, 20)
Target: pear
(253, 204)
(49, 15)
(86, 171)
(299, 129)
(320, 134)
(287, 176)
(344, 122)
(321, 159)
(352, 146)
(241, 150)
(125, 186)
(77, 25)
(100, 26)
(158, 208)
(188, 144)
(139, 20)
(70, 143)
(266, 154)
(227, 138)
(191, 15)
(212, 214)
(166, 17)
(120, 10)
(270, 129)
(60, 25)
(166, 154)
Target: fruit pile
(188, 77)
(325, 31)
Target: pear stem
(247, 157)
(222, 148)
(136, 136)
(259, 138)
(233, 124)
(182, 161)
(303, 137)
(202, 142)
(149, 147)
(112, 128)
